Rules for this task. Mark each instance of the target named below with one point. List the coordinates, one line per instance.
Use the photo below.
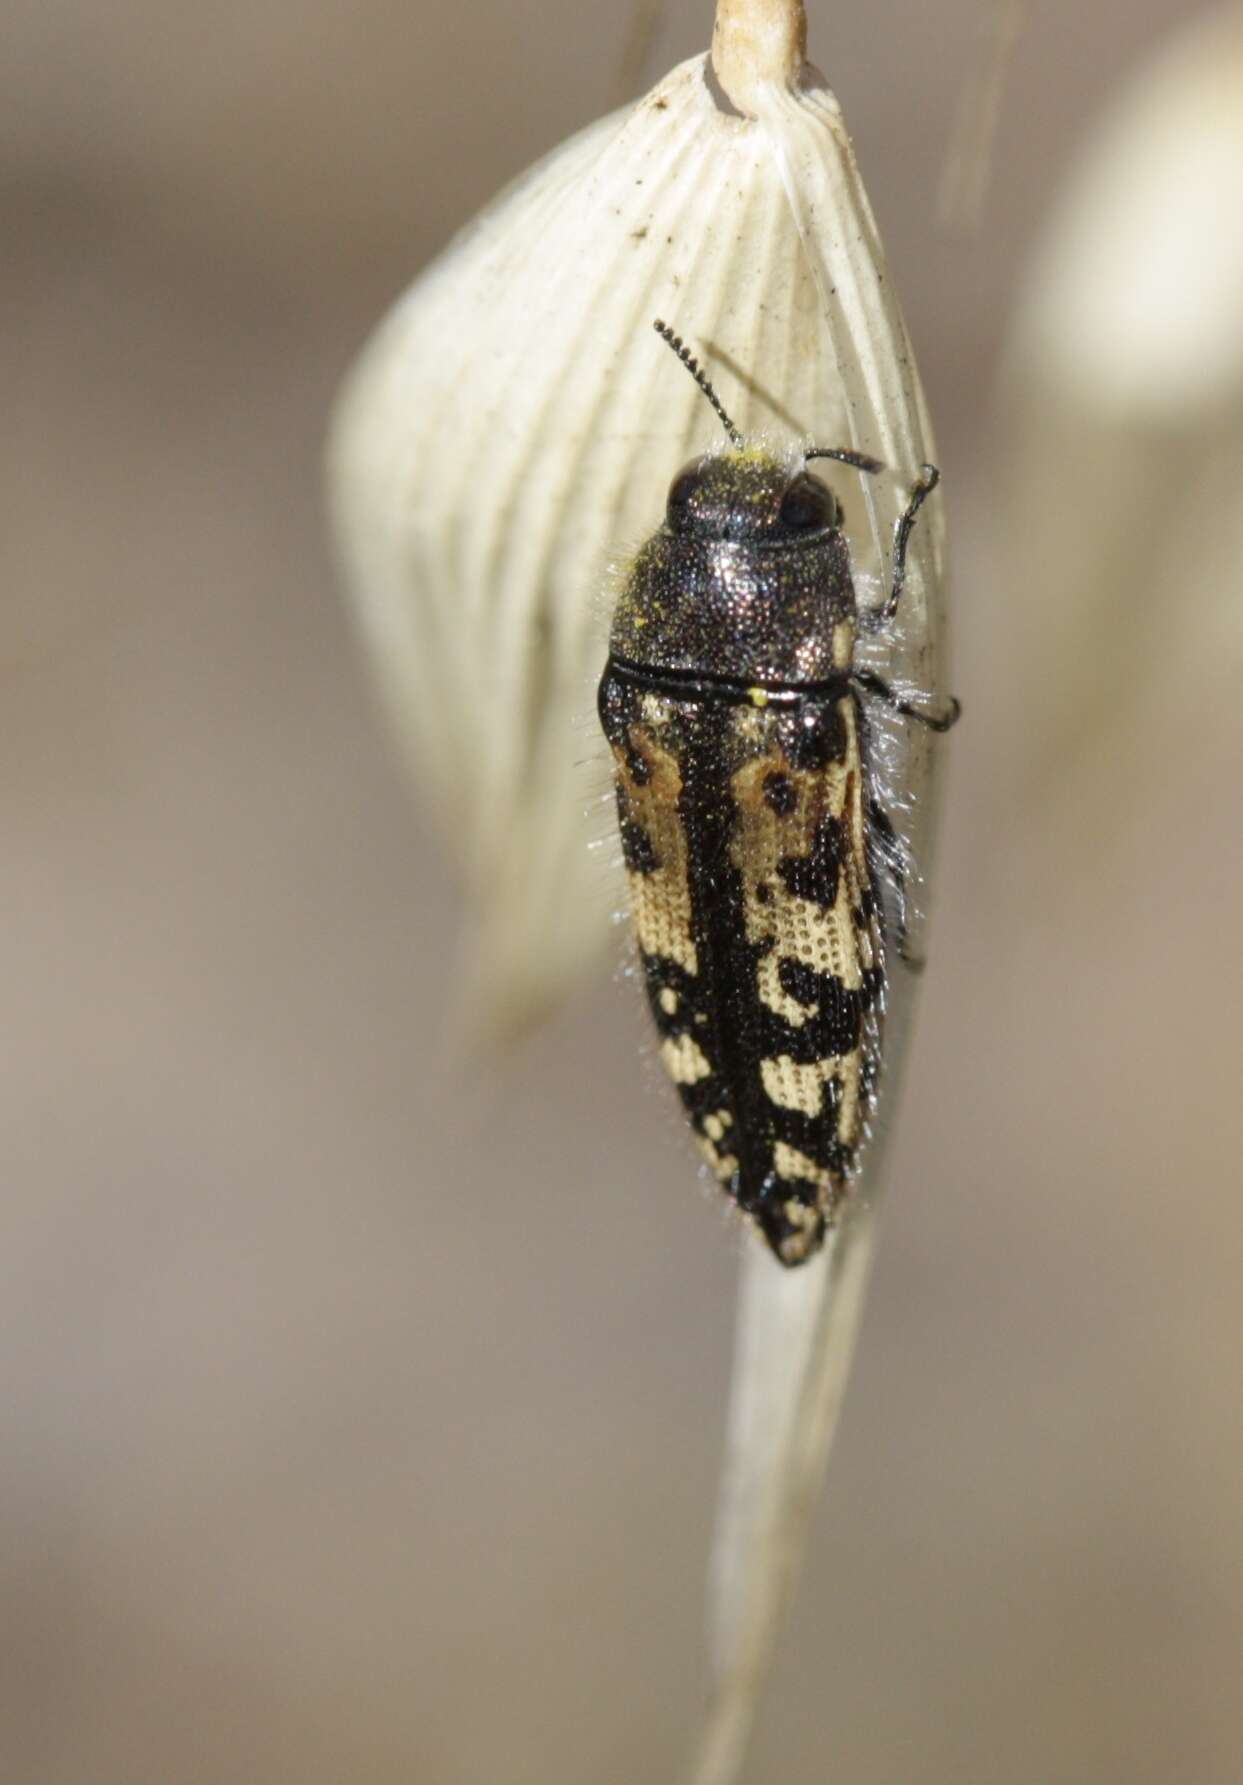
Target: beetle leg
(868, 683)
(874, 619)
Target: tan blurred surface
(361, 1422)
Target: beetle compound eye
(808, 504)
(682, 489)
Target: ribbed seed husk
(514, 424)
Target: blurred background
(362, 1415)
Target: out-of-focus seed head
(1124, 410)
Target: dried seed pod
(512, 423)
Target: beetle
(757, 855)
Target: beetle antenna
(846, 455)
(699, 375)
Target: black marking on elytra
(816, 1136)
(792, 1243)
(815, 876)
(815, 737)
(663, 975)
(638, 850)
(839, 1009)
(780, 794)
(799, 981)
(637, 766)
(826, 1033)
(707, 1095)
(766, 1202)
(703, 1099)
